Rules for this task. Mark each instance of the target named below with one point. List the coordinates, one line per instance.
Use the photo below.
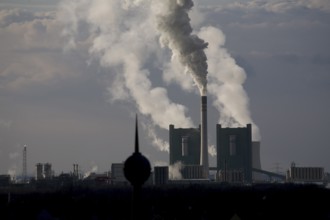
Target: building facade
(161, 175)
(305, 174)
(117, 174)
(234, 151)
(184, 145)
(192, 172)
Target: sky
(73, 76)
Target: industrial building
(231, 176)
(44, 171)
(238, 157)
(161, 175)
(39, 175)
(192, 171)
(117, 174)
(5, 180)
(256, 155)
(234, 151)
(48, 171)
(185, 145)
(305, 174)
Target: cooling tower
(204, 162)
(256, 155)
(256, 159)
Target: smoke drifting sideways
(124, 36)
(225, 83)
(89, 172)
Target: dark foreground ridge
(209, 201)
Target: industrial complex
(185, 189)
(237, 162)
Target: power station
(237, 154)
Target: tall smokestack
(204, 153)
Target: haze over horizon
(58, 96)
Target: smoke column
(173, 23)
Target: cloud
(13, 155)
(274, 13)
(31, 30)
(5, 123)
(32, 50)
(280, 6)
(20, 16)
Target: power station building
(234, 153)
(185, 145)
(44, 171)
(238, 157)
(161, 175)
(305, 174)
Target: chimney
(204, 160)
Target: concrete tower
(204, 160)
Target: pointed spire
(136, 135)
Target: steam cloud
(176, 33)
(127, 36)
(125, 46)
(161, 144)
(175, 171)
(226, 80)
(92, 170)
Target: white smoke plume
(121, 34)
(173, 22)
(161, 144)
(125, 35)
(12, 171)
(175, 171)
(226, 78)
(92, 170)
(225, 85)
(212, 151)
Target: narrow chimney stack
(204, 160)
